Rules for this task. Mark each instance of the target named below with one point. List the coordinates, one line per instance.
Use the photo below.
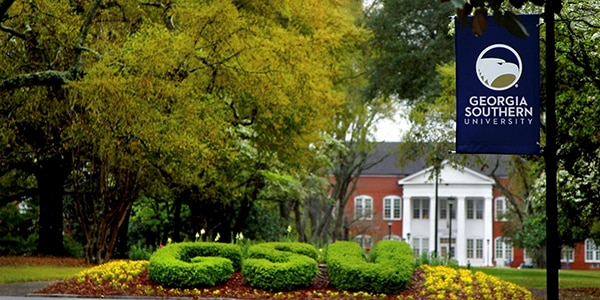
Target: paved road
(24, 290)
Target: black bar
(552, 240)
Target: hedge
(390, 272)
(280, 266)
(190, 265)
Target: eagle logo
(498, 67)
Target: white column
(488, 217)
(432, 229)
(461, 242)
(406, 216)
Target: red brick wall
(376, 187)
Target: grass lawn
(536, 278)
(10, 274)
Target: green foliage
(411, 39)
(187, 265)
(181, 97)
(391, 270)
(73, 247)
(434, 260)
(139, 252)
(264, 223)
(280, 266)
(17, 232)
(502, 14)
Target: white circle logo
(501, 69)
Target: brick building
(391, 202)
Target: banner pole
(552, 237)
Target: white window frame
(567, 254)
(420, 245)
(501, 210)
(470, 248)
(392, 208)
(393, 237)
(420, 203)
(479, 248)
(475, 248)
(443, 206)
(592, 252)
(476, 207)
(364, 240)
(444, 209)
(503, 246)
(363, 207)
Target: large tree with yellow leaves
(108, 98)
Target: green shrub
(390, 271)
(187, 265)
(434, 260)
(139, 252)
(280, 266)
(17, 233)
(73, 247)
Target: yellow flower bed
(119, 272)
(438, 282)
(448, 283)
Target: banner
(498, 90)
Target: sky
(391, 130)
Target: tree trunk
(121, 250)
(51, 178)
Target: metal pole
(552, 240)
(435, 212)
(450, 230)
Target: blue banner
(498, 90)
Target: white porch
(471, 232)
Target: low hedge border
(280, 266)
(188, 265)
(390, 272)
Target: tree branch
(53, 77)
(4, 6)
(13, 32)
(43, 78)
(83, 32)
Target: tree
(35, 67)
(577, 114)
(410, 40)
(500, 10)
(156, 90)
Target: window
(475, 248)
(474, 209)
(391, 208)
(567, 254)
(592, 252)
(392, 237)
(420, 208)
(420, 246)
(479, 248)
(502, 208)
(363, 208)
(470, 248)
(364, 240)
(504, 249)
(444, 206)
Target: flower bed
(131, 279)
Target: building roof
(389, 154)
